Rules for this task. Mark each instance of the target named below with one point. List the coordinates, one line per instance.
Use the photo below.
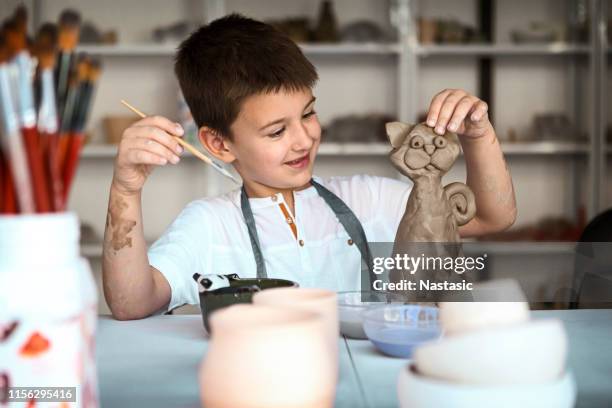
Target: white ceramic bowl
(416, 391)
(498, 302)
(526, 353)
(351, 306)
(396, 330)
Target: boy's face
(276, 137)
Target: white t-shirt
(210, 236)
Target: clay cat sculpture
(433, 212)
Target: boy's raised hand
(145, 144)
(458, 111)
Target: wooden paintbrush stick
(189, 147)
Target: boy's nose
(430, 149)
(303, 140)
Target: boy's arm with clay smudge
(133, 289)
(487, 172)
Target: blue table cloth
(154, 362)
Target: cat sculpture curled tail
(430, 224)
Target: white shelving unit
(104, 151)
(406, 56)
(503, 50)
(168, 50)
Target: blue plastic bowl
(396, 329)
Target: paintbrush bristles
(70, 18)
(69, 28)
(21, 18)
(4, 54)
(45, 46)
(95, 69)
(83, 68)
(15, 39)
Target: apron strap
(250, 222)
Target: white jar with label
(48, 308)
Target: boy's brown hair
(232, 58)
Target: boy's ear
(215, 144)
(397, 132)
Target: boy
(249, 89)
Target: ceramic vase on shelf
(48, 307)
(268, 357)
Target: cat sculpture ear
(397, 132)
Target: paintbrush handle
(18, 163)
(56, 187)
(38, 171)
(193, 150)
(71, 164)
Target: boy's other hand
(144, 145)
(458, 111)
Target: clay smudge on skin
(121, 226)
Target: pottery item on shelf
(396, 330)
(363, 31)
(174, 32)
(326, 29)
(428, 31)
(296, 28)
(91, 34)
(538, 32)
(114, 125)
(553, 126)
(524, 353)
(264, 356)
(352, 305)
(417, 391)
(498, 302)
(368, 128)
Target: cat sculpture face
(418, 151)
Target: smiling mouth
(299, 162)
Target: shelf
(502, 50)
(153, 50)
(103, 151)
(129, 50)
(351, 49)
(543, 148)
(331, 49)
(354, 149)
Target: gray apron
(345, 216)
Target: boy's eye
(309, 114)
(278, 133)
